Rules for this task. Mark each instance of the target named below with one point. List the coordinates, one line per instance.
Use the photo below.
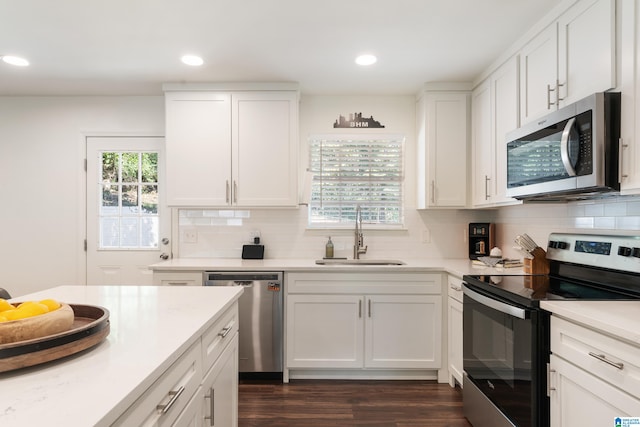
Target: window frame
(346, 223)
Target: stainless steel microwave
(571, 153)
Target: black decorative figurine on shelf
(357, 121)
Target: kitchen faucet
(358, 249)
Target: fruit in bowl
(33, 319)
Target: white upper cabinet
(232, 149)
(570, 59)
(587, 49)
(482, 146)
(630, 87)
(538, 74)
(198, 148)
(494, 113)
(264, 142)
(442, 124)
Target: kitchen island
(152, 330)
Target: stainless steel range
(506, 334)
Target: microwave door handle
(495, 304)
(565, 141)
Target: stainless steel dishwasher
(261, 311)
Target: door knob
(165, 241)
(164, 256)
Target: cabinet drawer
(606, 357)
(178, 278)
(218, 336)
(455, 288)
(161, 404)
(363, 283)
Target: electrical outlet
(426, 236)
(190, 236)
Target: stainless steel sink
(359, 262)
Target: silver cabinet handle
(603, 358)
(456, 288)
(549, 103)
(486, 187)
(235, 191)
(225, 331)
(175, 394)
(227, 191)
(621, 147)
(212, 406)
(359, 309)
(433, 192)
(549, 387)
(369, 303)
(177, 283)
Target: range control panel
(612, 252)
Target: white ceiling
(116, 47)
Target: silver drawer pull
(163, 409)
(212, 406)
(603, 358)
(456, 288)
(225, 331)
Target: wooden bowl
(50, 323)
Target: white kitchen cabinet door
(586, 49)
(578, 398)
(325, 331)
(442, 149)
(455, 336)
(506, 117)
(265, 149)
(538, 72)
(219, 390)
(198, 148)
(630, 109)
(483, 146)
(403, 331)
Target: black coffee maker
(482, 238)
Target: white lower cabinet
(177, 278)
(455, 331)
(593, 377)
(219, 391)
(180, 397)
(361, 321)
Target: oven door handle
(520, 313)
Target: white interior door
(128, 224)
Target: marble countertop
(456, 267)
(617, 318)
(150, 328)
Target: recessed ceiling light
(15, 60)
(366, 60)
(192, 60)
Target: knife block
(538, 264)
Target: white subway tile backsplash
(221, 233)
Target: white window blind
(356, 170)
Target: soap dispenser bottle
(328, 249)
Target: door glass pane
(128, 208)
(130, 163)
(149, 167)
(149, 199)
(130, 198)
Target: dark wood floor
(315, 403)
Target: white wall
(42, 180)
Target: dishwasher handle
(239, 278)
